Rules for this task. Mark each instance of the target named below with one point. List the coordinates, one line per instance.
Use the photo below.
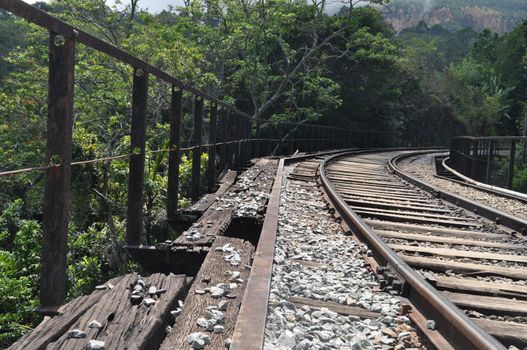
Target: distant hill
(498, 15)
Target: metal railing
(490, 160)
(233, 138)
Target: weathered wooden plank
(50, 329)
(124, 325)
(430, 216)
(470, 285)
(214, 270)
(218, 217)
(416, 219)
(378, 224)
(509, 333)
(335, 307)
(459, 267)
(488, 305)
(377, 205)
(459, 253)
(447, 240)
(225, 181)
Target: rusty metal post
(237, 131)
(257, 135)
(248, 142)
(512, 155)
(174, 153)
(58, 178)
(134, 223)
(224, 139)
(212, 147)
(196, 151)
(230, 121)
(490, 150)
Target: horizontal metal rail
(451, 322)
(499, 138)
(506, 219)
(492, 189)
(56, 26)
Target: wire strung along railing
(233, 139)
(491, 160)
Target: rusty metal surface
(250, 326)
(453, 324)
(134, 221)
(57, 190)
(493, 214)
(196, 152)
(212, 148)
(176, 113)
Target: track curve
(412, 235)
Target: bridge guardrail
(490, 160)
(234, 137)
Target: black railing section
(491, 160)
(233, 138)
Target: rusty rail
(454, 326)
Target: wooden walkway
(202, 279)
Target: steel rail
(452, 323)
(491, 188)
(499, 216)
(250, 326)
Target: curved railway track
(435, 253)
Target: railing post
(230, 125)
(196, 151)
(237, 137)
(257, 135)
(58, 178)
(212, 147)
(224, 139)
(512, 155)
(490, 150)
(174, 153)
(134, 223)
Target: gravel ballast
(314, 259)
(423, 167)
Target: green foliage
(282, 61)
(19, 269)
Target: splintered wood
(246, 198)
(122, 324)
(214, 272)
(225, 182)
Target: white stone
(95, 345)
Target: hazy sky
(152, 5)
(155, 6)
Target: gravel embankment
(315, 260)
(423, 167)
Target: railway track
(430, 250)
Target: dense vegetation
(285, 60)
